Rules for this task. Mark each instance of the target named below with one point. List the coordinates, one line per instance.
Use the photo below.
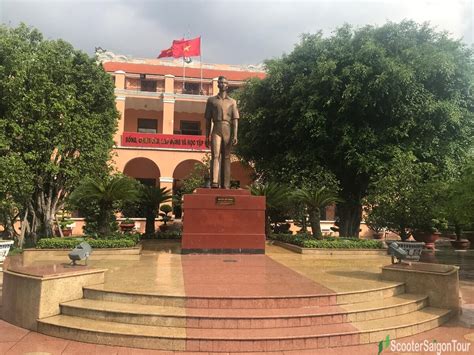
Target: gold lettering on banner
(225, 201)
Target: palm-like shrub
(315, 199)
(151, 197)
(107, 194)
(277, 199)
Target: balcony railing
(169, 141)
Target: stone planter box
(31, 293)
(32, 255)
(439, 282)
(336, 252)
(4, 249)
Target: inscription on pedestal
(225, 200)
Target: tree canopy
(57, 116)
(347, 104)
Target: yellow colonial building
(161, 131)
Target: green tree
(151, 197)
(404, 197)
(347, 103)
(277, 200)
(457, 202)
(315, 199)
(16, 186)
(107, 196)
(57, 114)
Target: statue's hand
(234, 141)
(207, 142)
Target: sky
(232, 31)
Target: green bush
(70, 243)
(169, 234)
(302, 240)
(118, 236)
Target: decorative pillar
(168, 105)
(120, 104)
(215, 89)
(120, 79)
(166, 182)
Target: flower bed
(306, 241)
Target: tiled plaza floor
(164, 272)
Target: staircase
(243, 324)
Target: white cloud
(233, 31)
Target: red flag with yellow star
(166, 53)
(186, 47)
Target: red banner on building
(170, 141)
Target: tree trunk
(24, 230)
(458, 231)
(268, 227)
(315, 222)
(150, 222)
(350, 215)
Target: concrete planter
(428, 238)
(461, 244)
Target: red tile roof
(178, 71)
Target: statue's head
(222, 83)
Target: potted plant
(375, 222)
(127, 225)
(460, 243)
(65, 225)
(430, 233)
(165, 211)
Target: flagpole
(200, 59)
(184, 72)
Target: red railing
(171, 141)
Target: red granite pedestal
(223, 221)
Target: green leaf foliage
(98, 199)
(57, 115)
(315, 199)
(348, 103)
(150, 198)
(404, 198)
(328, 243)
(70, 243)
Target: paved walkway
(165, 273)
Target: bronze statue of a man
(223, 116)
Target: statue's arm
(235, 123)
(208, 118)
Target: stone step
(242, 318)
(226, 340)
(98, 292)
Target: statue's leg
(226, 157)
(216, 142)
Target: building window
(147, 125)
(148, 85)
(190, 127)
(191, 88)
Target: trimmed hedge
(327, 243)
(70, 243)
(169, 234)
